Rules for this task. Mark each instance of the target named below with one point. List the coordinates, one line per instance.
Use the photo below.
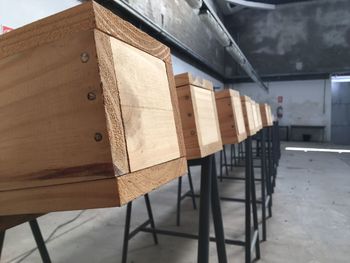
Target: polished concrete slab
(310, 223)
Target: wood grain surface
(188, 79)
(47, 122)
(248, 115)
(141, 182)
(231, 117)
(189, 125)
(206, 117)
(146, 106)
(89, 111)
(199, 116)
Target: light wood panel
(265, 115)
(73, 196)
(270, 116)
(255, 115)
(139, 183)
(146, 106)
(231, 117)
(47, 122)
(187, 78)
(112, 105)
(258, 116)
(189, 125)
(199, 118)
(205, 115)
(248, 115)
(91, 194)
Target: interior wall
(302, 38)
(304, 102)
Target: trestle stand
(180, 197)
(252, 233)
(129, 235)
(209, 199)
(38, 239)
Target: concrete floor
(310, 223)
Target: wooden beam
(89, 109)
(248, 115)
(199, 116)
(231, 117)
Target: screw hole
(84, 57)
(98, 137)
(91, 96)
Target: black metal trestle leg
(178, 209)
(192, 189)
(232, 148)
(265, 185)
(247, 207)
(126, 232)
(221, 165)
(128, 235)
(225, 159)
(270, 158)
(256, 239)
(265, 167)
(209, 198)
(250, 202)
(204, 210)
(150, 216)
(209, 194)
(39, 241)
(190, 193)
(217, 216)
(2, 237)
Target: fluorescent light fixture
(236, 54)
(194, 4)
(251, 4)
(209, 20)
(304, 149)
(341, 79)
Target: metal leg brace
(209, 198)
(38, 239)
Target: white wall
(304, 102)
(18, 13)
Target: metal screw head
(84, 57)
(189, 114)
(193, 132)
(91, 96)
(98, 137)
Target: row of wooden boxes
(91, 115)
